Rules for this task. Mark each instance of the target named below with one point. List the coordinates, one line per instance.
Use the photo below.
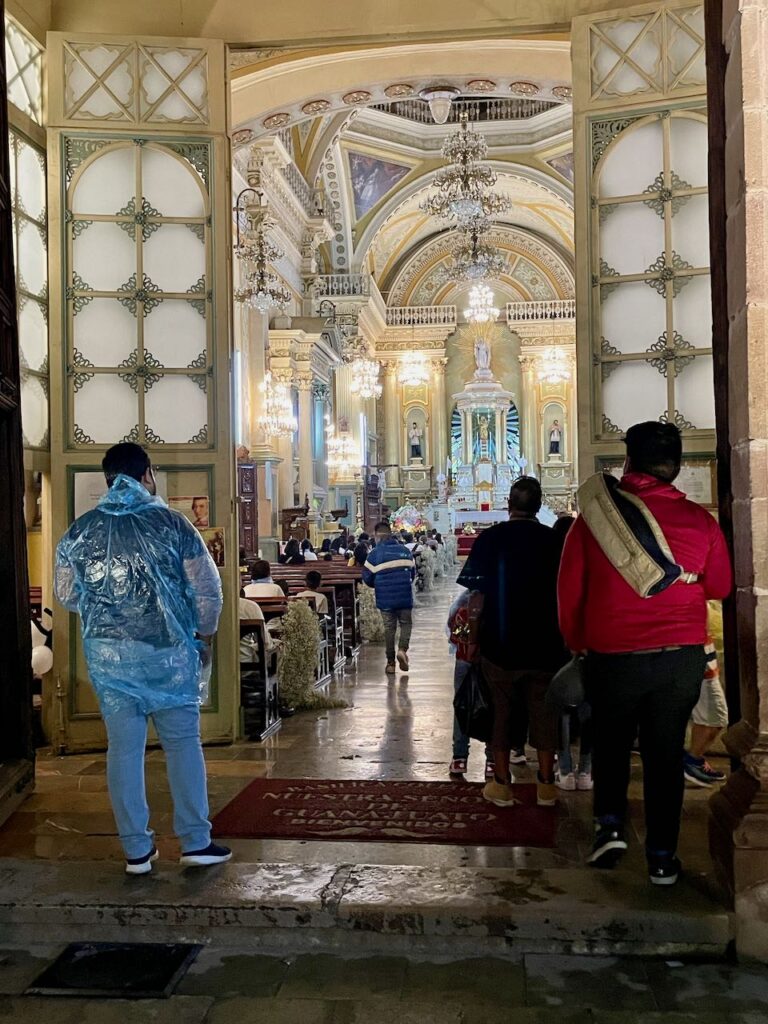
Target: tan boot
(499, 793)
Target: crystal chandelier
(413, 370)
(365, 377)
(463, 186)
(277, 420)
(262, 290)
(481, 309)
(554, 367)
(340, 448)
(473, 260)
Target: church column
(392, 417)
(528, 423)
(439, 417)
(306, 470)
(466, 433)
(285, 446)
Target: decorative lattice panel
(24, 71)
(138, 300)
(133, 82)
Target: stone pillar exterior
(439, 416)
(739, 811)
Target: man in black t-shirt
(514, 567)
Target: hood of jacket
(127, 496)
(646, 486)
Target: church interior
(336, 266)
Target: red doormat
(394, 812)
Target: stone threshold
(363, 909)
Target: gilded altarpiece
(644, 326)
(138, 180)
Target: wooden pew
(259, 696)
(344, 580)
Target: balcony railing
(314, 201)
(552, 309)
(490, 109)
(341, 285)
(421, 316)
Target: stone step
(364, 909)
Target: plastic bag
(567, 687)
(473, 708)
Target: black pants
(650, 695)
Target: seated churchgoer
(262, 584)
(249, 650)
(292, 554)
(312, 593)
(308, 551)
(359, 555)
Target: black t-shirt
(515, 566)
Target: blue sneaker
(141, 865)
(699, 772)
(212, 854)
(663, 870)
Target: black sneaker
(212, 854)
(608, 846)
(664, 870)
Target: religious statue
(482, 354)
(414, 436)
(555, 437)
(484, 446)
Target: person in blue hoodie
(390, 570)
(149, 599)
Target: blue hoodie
(143, 583)
(390, 570)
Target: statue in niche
(484, 444)
(414, 436)
(482, 355)
(555, 438)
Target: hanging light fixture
(365, 377)
(554, 367)
(413, 370)
(481, 309)
(261, 289)
(277, 419)
(340, 448)
(439, 98)
(463, 186)
(473, 260)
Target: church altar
(488, 463)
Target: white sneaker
(565, 781)
(584, 780)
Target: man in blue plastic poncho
(149, 597)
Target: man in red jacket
(645, 654)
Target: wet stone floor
(237, 987)
(391, 729)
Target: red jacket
(599, 611)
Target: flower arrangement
(371, 622)
(297, 660)
(408, 517)
(469, 530)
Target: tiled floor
(392, 728)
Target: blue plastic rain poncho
(143, 582)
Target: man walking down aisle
(513, 568)
(638, 567)
(149, 598)
(390, 570)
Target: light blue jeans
(179, 733)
